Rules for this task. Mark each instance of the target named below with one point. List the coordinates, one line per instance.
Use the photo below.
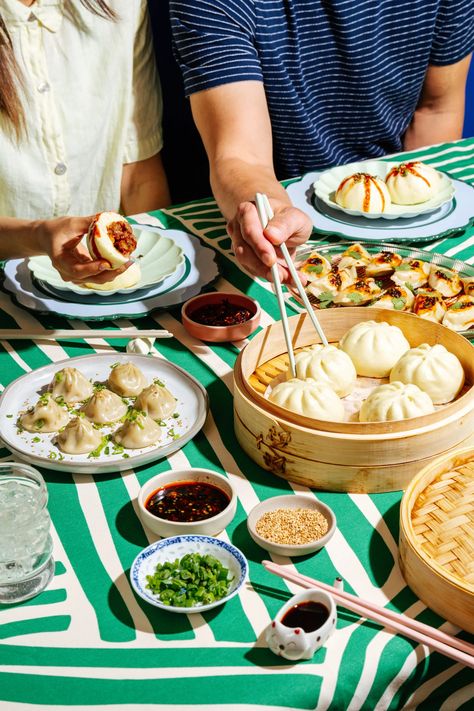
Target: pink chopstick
(439, 641)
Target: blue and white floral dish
(169, 549)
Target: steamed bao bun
(433, 369)
(308, 397)
(395, 401)
(412, 183)
(374, 347)
(363, 192)
(327, 364)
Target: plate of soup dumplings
(432, 286)
(371, 375)
(101, 413)
(380, 189)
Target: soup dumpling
(79, 437)
(138, 431)
(104, 406)
(395, 401)
(364, 193)
(460, 315)
(412, 183)
(156, 401)
(396, 298)
(433, 369)
(71, 385)
(329, 364)
(45, 416)
(374, 347)
(311, 398)
(126, 380)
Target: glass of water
(26, 561)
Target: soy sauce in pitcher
(307, 615)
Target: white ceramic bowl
(209, 526)
(168, 549)
(291, 501)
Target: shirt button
(43, 87)
(60, 169)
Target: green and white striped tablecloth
(87, 640)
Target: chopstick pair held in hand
(265, 214)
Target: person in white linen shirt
(80, 125)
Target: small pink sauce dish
(206, 332)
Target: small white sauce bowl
(291, 501)
(209, 526)
(168, 549)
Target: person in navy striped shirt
(281, 87)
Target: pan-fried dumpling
(104, 406)
(433, 369)
(315, 266)
(354, 256)
(468, 284)
(395, 401)
(359, 293)
(397, 298)
(382, 264)
(374, 347)
(412, 183)
(156, 401)
(460, 315)
(446, 281)
(71, 385)
(138, 431)
(335, 280)
(326, 363)
(429, 305)
(45, 416)
(413, 272)
(311, 398)
(79, 437)
(126, 380)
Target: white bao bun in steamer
(101, 235)
(363, 192)
(395, 401)
(433, 369)
(326, 363)
(311, 398)
(412, 183)
(374, 347)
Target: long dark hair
(11, 80)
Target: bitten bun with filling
(110, 237)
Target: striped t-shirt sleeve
(454, 32)
(213, 42)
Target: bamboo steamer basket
(345, 456)
(437, 537)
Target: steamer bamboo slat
(437, 537)
(345, 456)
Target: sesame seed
(292, 526)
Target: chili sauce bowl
(169, 549)
(291, 501)
(234, 332)
(207, 526)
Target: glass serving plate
(332, 251)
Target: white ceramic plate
(157, 255)
(199, 270)
(191, 405)
(449, 220)
(328, 182)
(168, 549)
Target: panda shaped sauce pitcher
(302, 625)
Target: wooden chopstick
(439, 641)
(297, 280)
(262, 213)
(10, 334)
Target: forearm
(235, 180)
(429, 127)
(19, 238)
